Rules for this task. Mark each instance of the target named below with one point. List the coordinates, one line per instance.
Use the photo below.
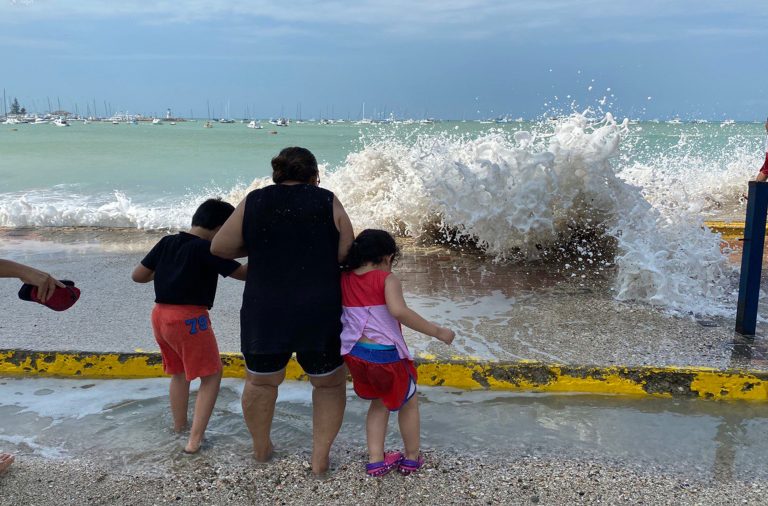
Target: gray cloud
(423, 18)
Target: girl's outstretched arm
(393, 293)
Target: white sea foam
(699, 172)
(46, 208)
(55, 209)
(49, 452)
(58, 399)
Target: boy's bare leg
(206, 400)
(329, 397)
(259, 397)
(179, 393)
(408, 418)
(376, 430)
(6, 459)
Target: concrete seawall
(730, 230)
(672, 382)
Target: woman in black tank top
(295, 235)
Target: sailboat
(364, 120)
(226, 118)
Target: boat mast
(5, 111)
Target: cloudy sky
(414, 58)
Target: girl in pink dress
(375, 352)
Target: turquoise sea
(148, 162)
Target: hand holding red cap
(44, 282)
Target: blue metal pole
(752, 258)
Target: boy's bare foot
(263, 454)
(6, 459)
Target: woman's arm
(228, 241)
(344, 226)
(44, 282)
(393, 293)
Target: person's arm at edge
(228, 241)
(44, 282)
(344, 226)
(393, 293)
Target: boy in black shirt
(185, 273)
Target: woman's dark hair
(371, 246)
(212, 214)
(294, 164)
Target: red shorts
(186, 340)
(382, 374)
(764, 168)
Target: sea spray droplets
(527, 194)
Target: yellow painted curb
(685, 382)
(728, 229)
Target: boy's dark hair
(294, 164)
(371, 246)
(212, 214)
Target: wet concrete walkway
(124, 424)
(500, 311)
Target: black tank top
(292, 296)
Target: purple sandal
(391, 461)
(406, 466)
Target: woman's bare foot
(193, 445)
(263, 454)
(6, 459)
(320, 466)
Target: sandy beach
(447, 479)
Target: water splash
(530, 193)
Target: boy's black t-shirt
(186, 271)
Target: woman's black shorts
(314, 363)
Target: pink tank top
(365, 313)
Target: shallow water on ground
(546, 311)
(125, 424)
